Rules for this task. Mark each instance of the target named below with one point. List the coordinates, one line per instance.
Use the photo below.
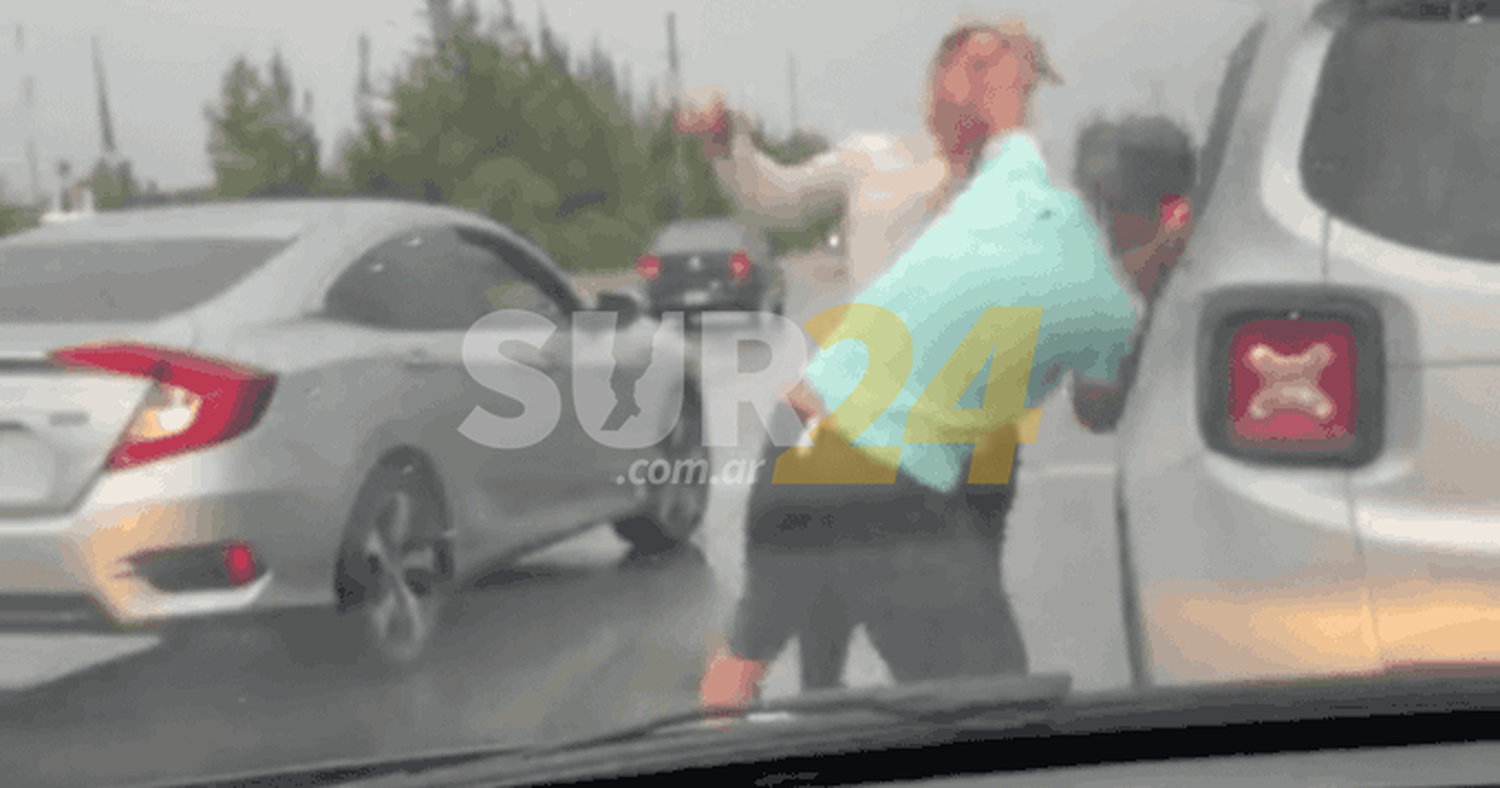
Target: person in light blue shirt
(1010, 240)
(874, 523)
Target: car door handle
(422, 361)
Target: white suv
(1309, 463)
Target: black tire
(390, 618)
(674, 512)
(1136, 648)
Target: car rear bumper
(1434, 578)
(1254, 573)
(146, 546)
(58, 568)
(705, 296)
(1247, 573)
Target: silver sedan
(231, 408)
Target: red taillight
(739, 266)
(649, 267)
(1293, 383)
(239, 563)
(1176, 211)
(195, 402)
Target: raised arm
(777, 196)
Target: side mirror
(628, 305)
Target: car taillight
(1300, 384)
(1175, 212)
(739, 266)
(193, 403)
(240, 564)
(1293, 381)
(649, 267)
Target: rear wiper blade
(942, 702)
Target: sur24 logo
(1004, 336)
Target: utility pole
(106, 122)
(363, 89)
(791, 79)
(36, 171)
(28, 96)
(675, 83)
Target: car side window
(424, 280)
(507, 277)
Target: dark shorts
(920, 570)
(812, 516)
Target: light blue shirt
(1010, 239)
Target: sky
(860, 63)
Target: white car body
(1245, 564)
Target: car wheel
(675, 510)
(1136, 649)
(395, 568)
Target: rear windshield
(1403, 136)
(122, 280)
(701, 238)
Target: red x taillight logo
(1290, 382)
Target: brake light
(195, 402)
(239, 564)
(739, 266)
(1176, 211)
(1293, 384)
(649, 267)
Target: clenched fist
(709, 123)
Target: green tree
(113, 186)
(259, 144)
(478, 122)
(487, 120)
(551, 51)
(680, 181)
(14, 218)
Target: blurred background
(548, 116)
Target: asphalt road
(577, 640)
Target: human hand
(730, 682)
(1176, 221)
(1149, 265)
(709, 121)
(806, 403)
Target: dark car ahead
(711, 264)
